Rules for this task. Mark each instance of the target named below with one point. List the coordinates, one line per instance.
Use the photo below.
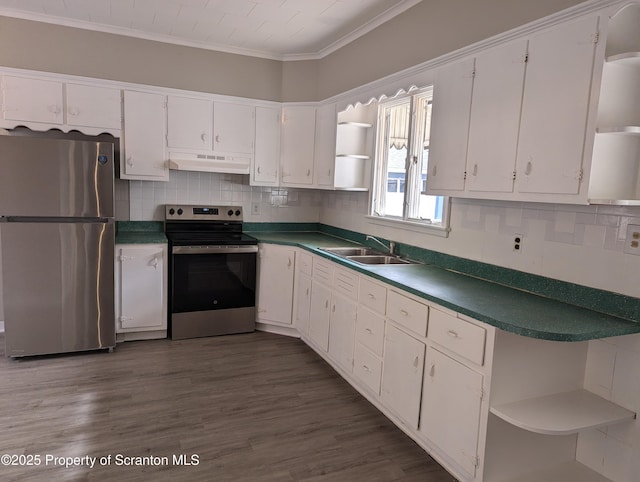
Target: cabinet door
(189, 123)
(275, 283)
(32, 100)
(325, 146)
(342, 328)
(450, 413)
(298, 145)
(495, 117)
(266, 162)
(302, 294)
(554, 109)
(319, 315)
(233, 125)
(141, 287)
(144, 137)
(403, 364)
(91, 106)
(450, 127)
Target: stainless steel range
(212, 271)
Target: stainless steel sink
(379, 259)
(367, 256)
(353, 251)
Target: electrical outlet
(517, 242)
(255, 209)
(632, 244)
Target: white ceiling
(277, 29)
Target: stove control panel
(210, 213)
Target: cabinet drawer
(323, 270)
(407, 312)
(459, 336)
(367, 368)
(372, 295)
(370, 330)
(345, 282)
(304, 262)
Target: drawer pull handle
(415, 362)
(368, 330)
(326, 303)
(371, 296)
(432, 370)
(366, 368)
(333, 309)
(404, 312)
(452, 334)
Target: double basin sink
(368, 256)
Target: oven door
(212, 290)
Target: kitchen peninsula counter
(508, 308)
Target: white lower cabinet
(403, 363)
(342, 328)
(141, 289)
(302, 303)
(302, 292)
(367, 368)
(275, 284)
(319, 315)
(486, 404)
(451, 408)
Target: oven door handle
(214, 249)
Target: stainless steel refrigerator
(57, 235)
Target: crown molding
(156, 37)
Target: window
(402, 157)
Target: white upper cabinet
(189, 123)
(41, 104)
(555, 107)
(32, 100)
(530, 105)
(298, 145)
(495, 117)
(450, 126)
(265, 170)
(91, 106)
(325, 147)
(233, 128)
(143, 156)
(204, 125)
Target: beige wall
(428, 30)
(424, 32)
(50, 48)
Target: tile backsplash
(574, 243)
(146, 199)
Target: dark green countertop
(140, 232)
(507, 308)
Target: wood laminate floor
(254, 407)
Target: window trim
(406, 223)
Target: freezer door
(58, 287)
(55, 177)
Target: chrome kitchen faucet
(391, 246)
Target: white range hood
(230, 164)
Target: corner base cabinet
(141, 291)
(486, 404)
